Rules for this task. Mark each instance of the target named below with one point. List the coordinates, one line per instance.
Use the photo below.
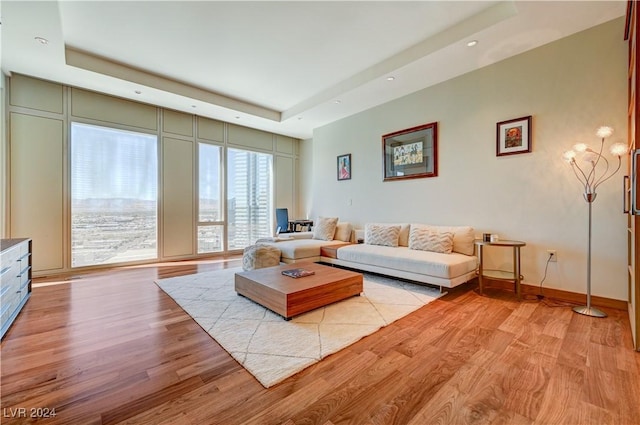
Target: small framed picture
(344, 167)
(513, 136)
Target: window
(249, 197)
(210, 220)
(114, 195)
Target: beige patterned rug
(273, 349)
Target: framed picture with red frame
(513, 136)
(410, 153)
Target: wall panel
(177, 122)
(177, 197)
(284, 180)
(3, 162)
(95, 106)
(285, 144)
(36, 94)
(250, 138)
(209, 129)
(36, 191)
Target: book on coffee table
(296, 273)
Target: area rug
(272, 349)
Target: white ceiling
(285, 67)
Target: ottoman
(260, 256)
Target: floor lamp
(593, 172)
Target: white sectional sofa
(434, 268)
(410, 257)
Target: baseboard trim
(561, 295)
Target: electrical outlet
(553, 255)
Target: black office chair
(282, 221)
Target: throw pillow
(426, 239)
(343, 232)
(325, 228)
(463, 237)
(377, 234)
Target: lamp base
(589, 311)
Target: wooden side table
(510, 276)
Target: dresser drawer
(10, 264)
(6, 310)
(15, 279)
(10, 282)
(11, 294)
(24, 275)
(24, 249)
(11, 255)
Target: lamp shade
(604, 131)
(618, 149)
(580, 147)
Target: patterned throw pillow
(426, 239)
(377, 234)
(325, 228)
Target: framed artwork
(410, 153)
(344, 167)
(513, 136)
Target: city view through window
(249, 198)
(210, 224)
(114, 178)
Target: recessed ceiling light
(391, 78)
(237, 117)
(41, 40)
(337, 101)
(299, 118)
(138, 92)
(472, 43)
(193, 106)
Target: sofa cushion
(298, 249)
(343, 231)
(381, 234)
(445, 266)
(463, 237)
(428, 239)
(325, 228)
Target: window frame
(223, 199)
(272, 190)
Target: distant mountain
(113, 204)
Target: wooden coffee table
(288, 296)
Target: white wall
(3, 160)
(571, 87)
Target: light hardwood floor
(112, 348)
